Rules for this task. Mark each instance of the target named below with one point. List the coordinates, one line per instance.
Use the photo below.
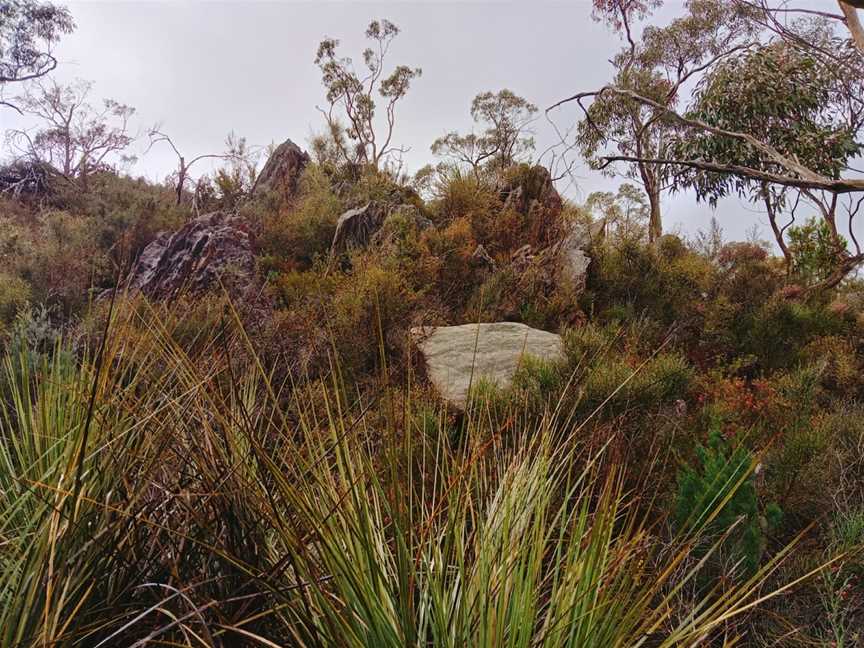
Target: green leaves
(352, 95)
(783, 95)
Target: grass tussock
(147, 498)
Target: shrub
(840, 366)
(637, 389)
(14, 295)
(489, 401)
(373, 305)
(292, 288)
(460, 195)
(584, 343)
(375, 185)
(796, 472)
(721, 473)
(665, 284)
(776, 332)
(522, 293)
(294, 236)
(449, 253)
(538, 383)
(815, 251)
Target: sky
(203, 69)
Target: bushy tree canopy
(505, 117)
(352, 97)
(28, 31)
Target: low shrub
(293, 237)
(777, 331)
(667, 283)
(721, 478)
(14, 295)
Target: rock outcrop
(355, 227)
(399, 222)
(573, 253)
(281, 174)
(205, 251)
(457, 357)
(531, 188)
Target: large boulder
(281, 174)
(457, 357)
(205, 251)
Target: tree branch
(841, 186)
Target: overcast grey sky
(203, 69)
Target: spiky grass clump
(150, 498)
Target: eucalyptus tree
(505, 118)
(351, 113)
(657, 66)
(798, 105)
(73, 136)
(701, 141)
(29, 29)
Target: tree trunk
(181, 181)
(778, 233)
(650, 184)
(655, 222)
(853, 22)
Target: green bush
(662, 380)
(722, 473)
(14, 295)
(294, 236)
(583, 344)
(538, 383)
(371, 306)
(780, 329)
(629, 279)
(814, 250)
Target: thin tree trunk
(778, 233)
(181, 180)
(655, 221)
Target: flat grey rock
(459, 356)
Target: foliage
(274, 469)
(14, 294)
(784, 94)
(191, 492)
(28, 31)
(665, 283)
(505, 116)
(353, 95)
(720, 480)
(800, 107)
(292, 238)
(628, 120)
(815, 251)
